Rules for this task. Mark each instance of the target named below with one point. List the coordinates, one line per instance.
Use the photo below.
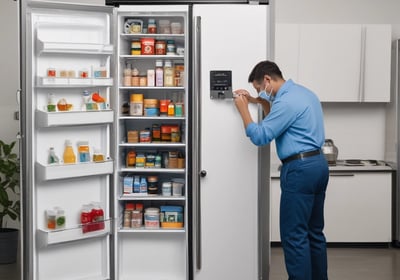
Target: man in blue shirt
(294, 118)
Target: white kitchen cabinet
(339, 62)
(357, 207)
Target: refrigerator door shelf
(159, 36)
(47, 82)
(69, 118)
(154, 88)
(73, 48)
(154, 170)
(67, 171)
(49, 237)
(51, 119)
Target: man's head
(264, 75)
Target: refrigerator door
(229, 171)
(164, 2)
(66, 49)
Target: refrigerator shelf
(154, 145)
(151, 57)
(50, 237)
(67, 171)
(124, 117)
(154, 88)
(152, 170)
(51, 119)
(50, 82)
(158, 36)
(150, 197)
(146, 230)
(43, 47)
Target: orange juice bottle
(69, 155)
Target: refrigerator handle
(197, 142)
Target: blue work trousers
(303, 185)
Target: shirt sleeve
(273, 125)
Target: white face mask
(269, 97)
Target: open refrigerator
(75, 59)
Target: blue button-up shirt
(295, 122)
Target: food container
(136, 219)
(166, 189)
(176, 28)
(164, 26)
(161, 47)
(177, 187)
(152, 184)
(136, 105)
(152, 218)
(171, 216)
(147, 45)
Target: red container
(147, 46)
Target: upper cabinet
(339, 62)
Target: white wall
(357, 129)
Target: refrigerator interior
(66, 48)
(146, 252)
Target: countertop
(341, 167)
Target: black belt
(301, 155)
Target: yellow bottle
(69, 155)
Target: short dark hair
(265, 68)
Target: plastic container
(51, 219)
(83, 151)
(97, 217)
(171, 49)
(136, 105)
(171, 216)
(164, 26)
(177, 187)
(143, 185)
(151, 77)
(159, 74)
(136, 219)
(69, 155)
(60, 217)
(152, 218)
(86, 219)
(136, 47)
(176, 28)
(51, 103)
(152, 184)
(127, 76)
(166, 189)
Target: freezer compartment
(51, 237)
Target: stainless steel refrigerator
(74, 65)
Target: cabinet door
(275, 197)
(377, 63)
(329, 60)
(287, 49)
(358, 207)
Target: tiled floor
(349, 264)
(344, 264)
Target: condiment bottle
(143, 185)
(53, 158)
(69, 155)
(51, 103)
(169, 74)
(151, 26)
(159, 74)
(83, 151)
(128, 76)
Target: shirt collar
(284, 88)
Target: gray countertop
(343, 168)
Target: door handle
(203, 173)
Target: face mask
(269, 97)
